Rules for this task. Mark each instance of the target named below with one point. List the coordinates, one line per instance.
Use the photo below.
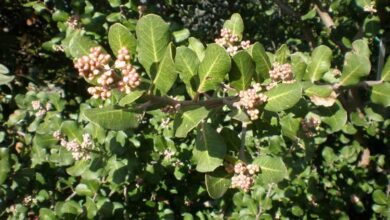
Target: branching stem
(243, 135)
(265, 201)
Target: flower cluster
(74, 22)
(231, 42)
(27, 200)
(250, 99)
(280, 73)
(310, 125)
(40, 109)
(79, 151)
(370, 8)
(243, 176)
(96, 66)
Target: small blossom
(27, 200)
(48, 106)
(40, 113)
(231, 42)
(36, 105)
(310, 125)
(57, 135)
(250, 99)
(243, 176)
(281, 72)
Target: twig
(242, 148)
(381, 58)
(367, 83)
(324, 15)
(71, 196)
(258, 215)
(156, 101)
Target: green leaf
(283, 96)
(166, 74)
(282, 54)
(72, 131)
(210, 149)
(71, 207)
(213, 68)
(235, 24)
(319, 64)
(4, 164)
(335, 117)
(80, 45)
(309, 15)
(319, 90)
(83, 190)
(120, 37)
(380, 94)
(299, 65)
(360, 47)
(217, 183)
(153, 38)
(243, 68)
(91, 208)
(187, 120)
(386, 71)
(78, 168)
(4, 79)
(111, 118)
(363, 3)
(44, 140)
(290, 126)
(197, 46)
(355, 67)
(131, 97)
(371, 26)
(379, 197)
(272, 169)
(262, 62)
(46, 214)
(186, 65)
(181, 35)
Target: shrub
(151, 122)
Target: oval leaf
(273, 169)
(213, 68)
(210, 149)
(282, 54)
(188, 120)
(283, 96)
(299, 65)
(386, 71)
(381, 94)
(72, 131)
(217, 183)
(80, 45)
(120, 37)
(153, 38)
(242, 71)
(130, 98)
(335, 117)
(166, 75)
(235, 24)
(262, 62)
(111, 118)
(320, 63)
(355, 67)
(186, 65)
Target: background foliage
(158, 168)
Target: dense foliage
(194, 109)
